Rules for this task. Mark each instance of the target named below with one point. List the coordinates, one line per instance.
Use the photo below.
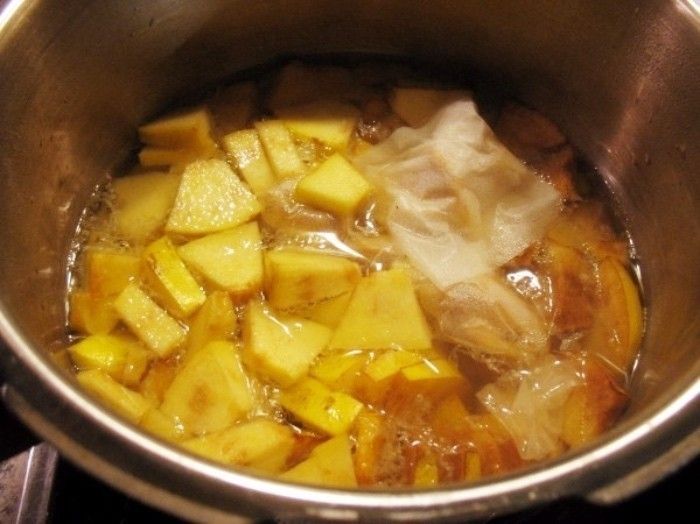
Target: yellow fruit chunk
(390, 363)
(383, 313)
(330, 368)
(246, 151)
(177, 139)
(169, 279)
(90, 314)
(231, 260)
(215, 320)
(232, 107)
(280, 149)
(280, 347)
(210, 198)
(617, 329)
(435, 378)
(296, 279)
(329, 121)
(324, 410)
(111, 393)
(327, 312)
(109, 272)
(163, 426)
(260, 443)
(118, 356)
(416, 105)
(158, 330)
(330, 464)
(142, 203)
(426, 472)
(157, 380)
(298, 83)
(367, 431)
(211, 391)
(335, 186)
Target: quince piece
(383, 313)
(109, 272)
(246, 151)
(230, 260)
(177, 139)
(161, 425)
(329, 121)
(327, 312)
(260, 443)
(330, 368)
(118, 356)
(390, 363)
(215, 320)
(435, 378)
(617, 329)
(142, 203)
(148, 321)
(330, 464)
(111, 393)
(92, 315)
(281, 347)
(211, 391)
(157, 380)
(280, 149)
(416, 105)
(426, 472)
(232, 107)
(335, 186)
(295, 279)
(367, 431)
(168, 278)
(324, 410)
(210, 198)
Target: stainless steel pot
(621, 78)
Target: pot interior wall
(77, 77)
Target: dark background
(79, 498)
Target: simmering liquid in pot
(345, 276)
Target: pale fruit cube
(108, 272)
(415, 105)
(335, 186)
(617, 329)
(162, 425)
(298, 83)
(329, 121)
(211, 391)
(368, 430)
(92, 315)
(383, 313)
(390, 363)
(210, 198)
(169, 279)
(295, 279)
(142, 203)
(119, 356)
(231, 260)
(320, 408)
(330, 464)
(436, 378)
(426, 472)
(159, 157)
(330, 368)
(215, 320)
(261, 444)
(233, 106)
(148, 321)
(177, 139)
(112, 394)
(327, 312)
(280, 149)
(281, 347)
(246, 151)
